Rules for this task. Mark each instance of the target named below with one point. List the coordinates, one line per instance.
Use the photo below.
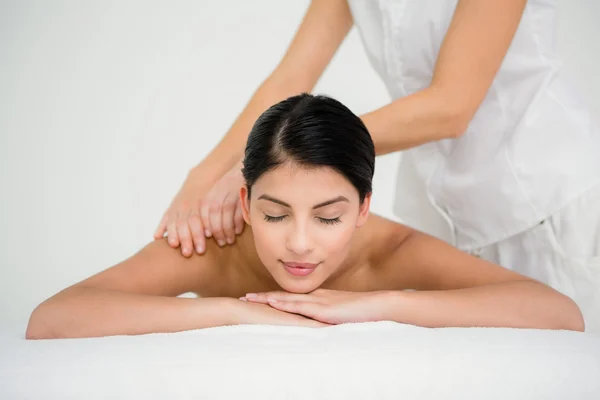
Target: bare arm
(454, 288)
(475, 45)
(133, 297)
(92, 312)
(320, 34)
(137, 296)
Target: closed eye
(269, 218)
(331, 221)
(328, 221)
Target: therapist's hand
(201, 210)
(327, 306)
(221, 208)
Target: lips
(299, 269)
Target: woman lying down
(310, 256)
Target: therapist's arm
(323, 29)
(477, 40)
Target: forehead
(294, 179)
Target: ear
(245, 204)
(363, 211)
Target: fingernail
(221, 243)
(243, 299)
(186, 250)
(172, 241)
(251, 295)
(199, 249)
(229, 241)
(272, 301)
(207, 233)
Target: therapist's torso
(531, 147)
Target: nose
(299, 240)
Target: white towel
(383, 360)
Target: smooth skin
(137, 296)
(475, 45)
(366, 263)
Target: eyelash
(332, 221)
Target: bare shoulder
(370, 264)
(160, 270)
(381, 237)
(415, 260)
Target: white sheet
(383, 360)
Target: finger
(162, 227)
(306, 308)
(278, 295)
(216, 226)
(238, 218)
(197, 231)
(255, 298)
(227, 221)
(205, 215)
(172, 233)
(185, 237)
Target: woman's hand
(328, 306)
(196, 213)
(246, 312)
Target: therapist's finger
(197, 231)
(216, 223)
(227, 220)
(205, 215)
(172, 237)
(185, 236)
(238, 218)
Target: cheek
(265, 236)
(335, 236)
(267, 242)
(336, 240)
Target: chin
(300, 286)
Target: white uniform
(521, 187)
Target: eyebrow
(323, 204)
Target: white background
(104, 107)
